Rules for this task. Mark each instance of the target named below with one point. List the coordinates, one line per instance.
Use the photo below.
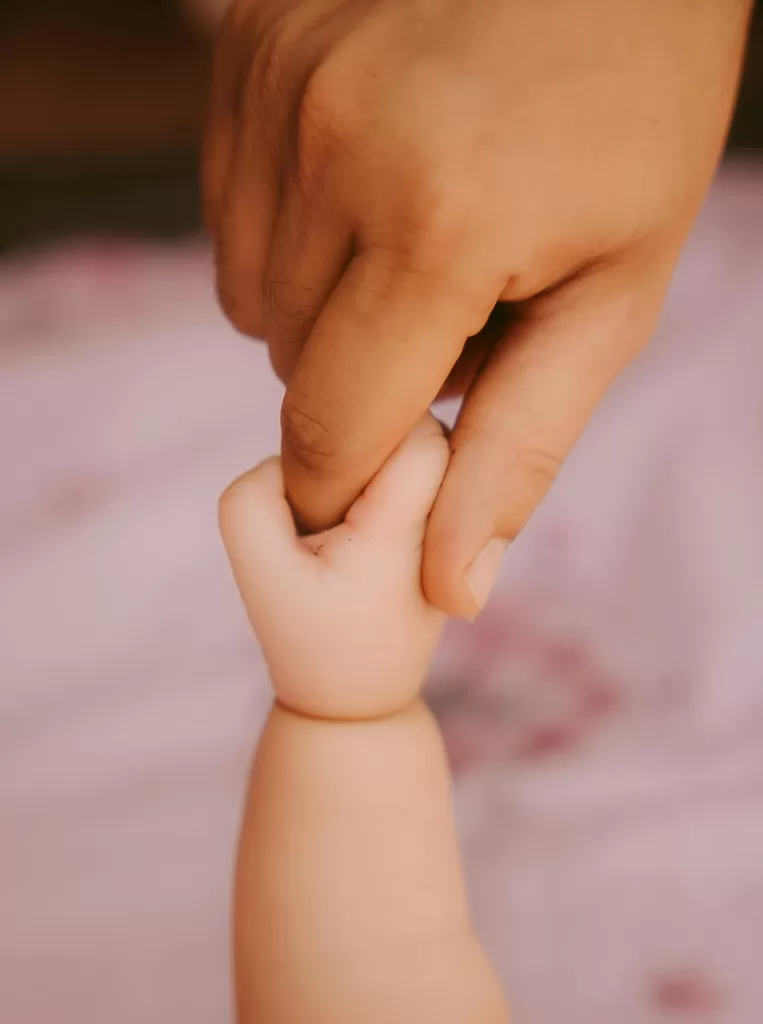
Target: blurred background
(604, 718)
(101, 107)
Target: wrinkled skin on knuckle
(434, 226)
(518, 476)
(329, 122)
(291, 313)
(308, 437)
(528, 480)
(267, 82)
(237, 18)
(540, 468)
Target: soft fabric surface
(604, 717)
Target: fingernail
(481, 574)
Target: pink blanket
(604, 718)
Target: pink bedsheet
(604, 718)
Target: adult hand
(380, 174)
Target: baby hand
(341, 617)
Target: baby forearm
(350, 904)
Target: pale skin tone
(350, 902)
(379, 174)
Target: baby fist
(341, 616)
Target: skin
(350, 903)
(385, 180)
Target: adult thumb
(521, 418)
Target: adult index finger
(376, 359)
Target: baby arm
(350, 903)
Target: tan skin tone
(350, 902)
(410, 198)
(380, 173)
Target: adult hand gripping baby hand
(340, 615)
(439, 196)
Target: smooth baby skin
(350, 903)
(341, 617)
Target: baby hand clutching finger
(341, 616)
(349, 897)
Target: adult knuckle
(540, 468)
(441, 194)
(431, 237)
(440, 211)
(523, 476)
(308, 437)
(236, 18)
(531, 474)
(327, 120)
(291, 311)
(268, 86)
